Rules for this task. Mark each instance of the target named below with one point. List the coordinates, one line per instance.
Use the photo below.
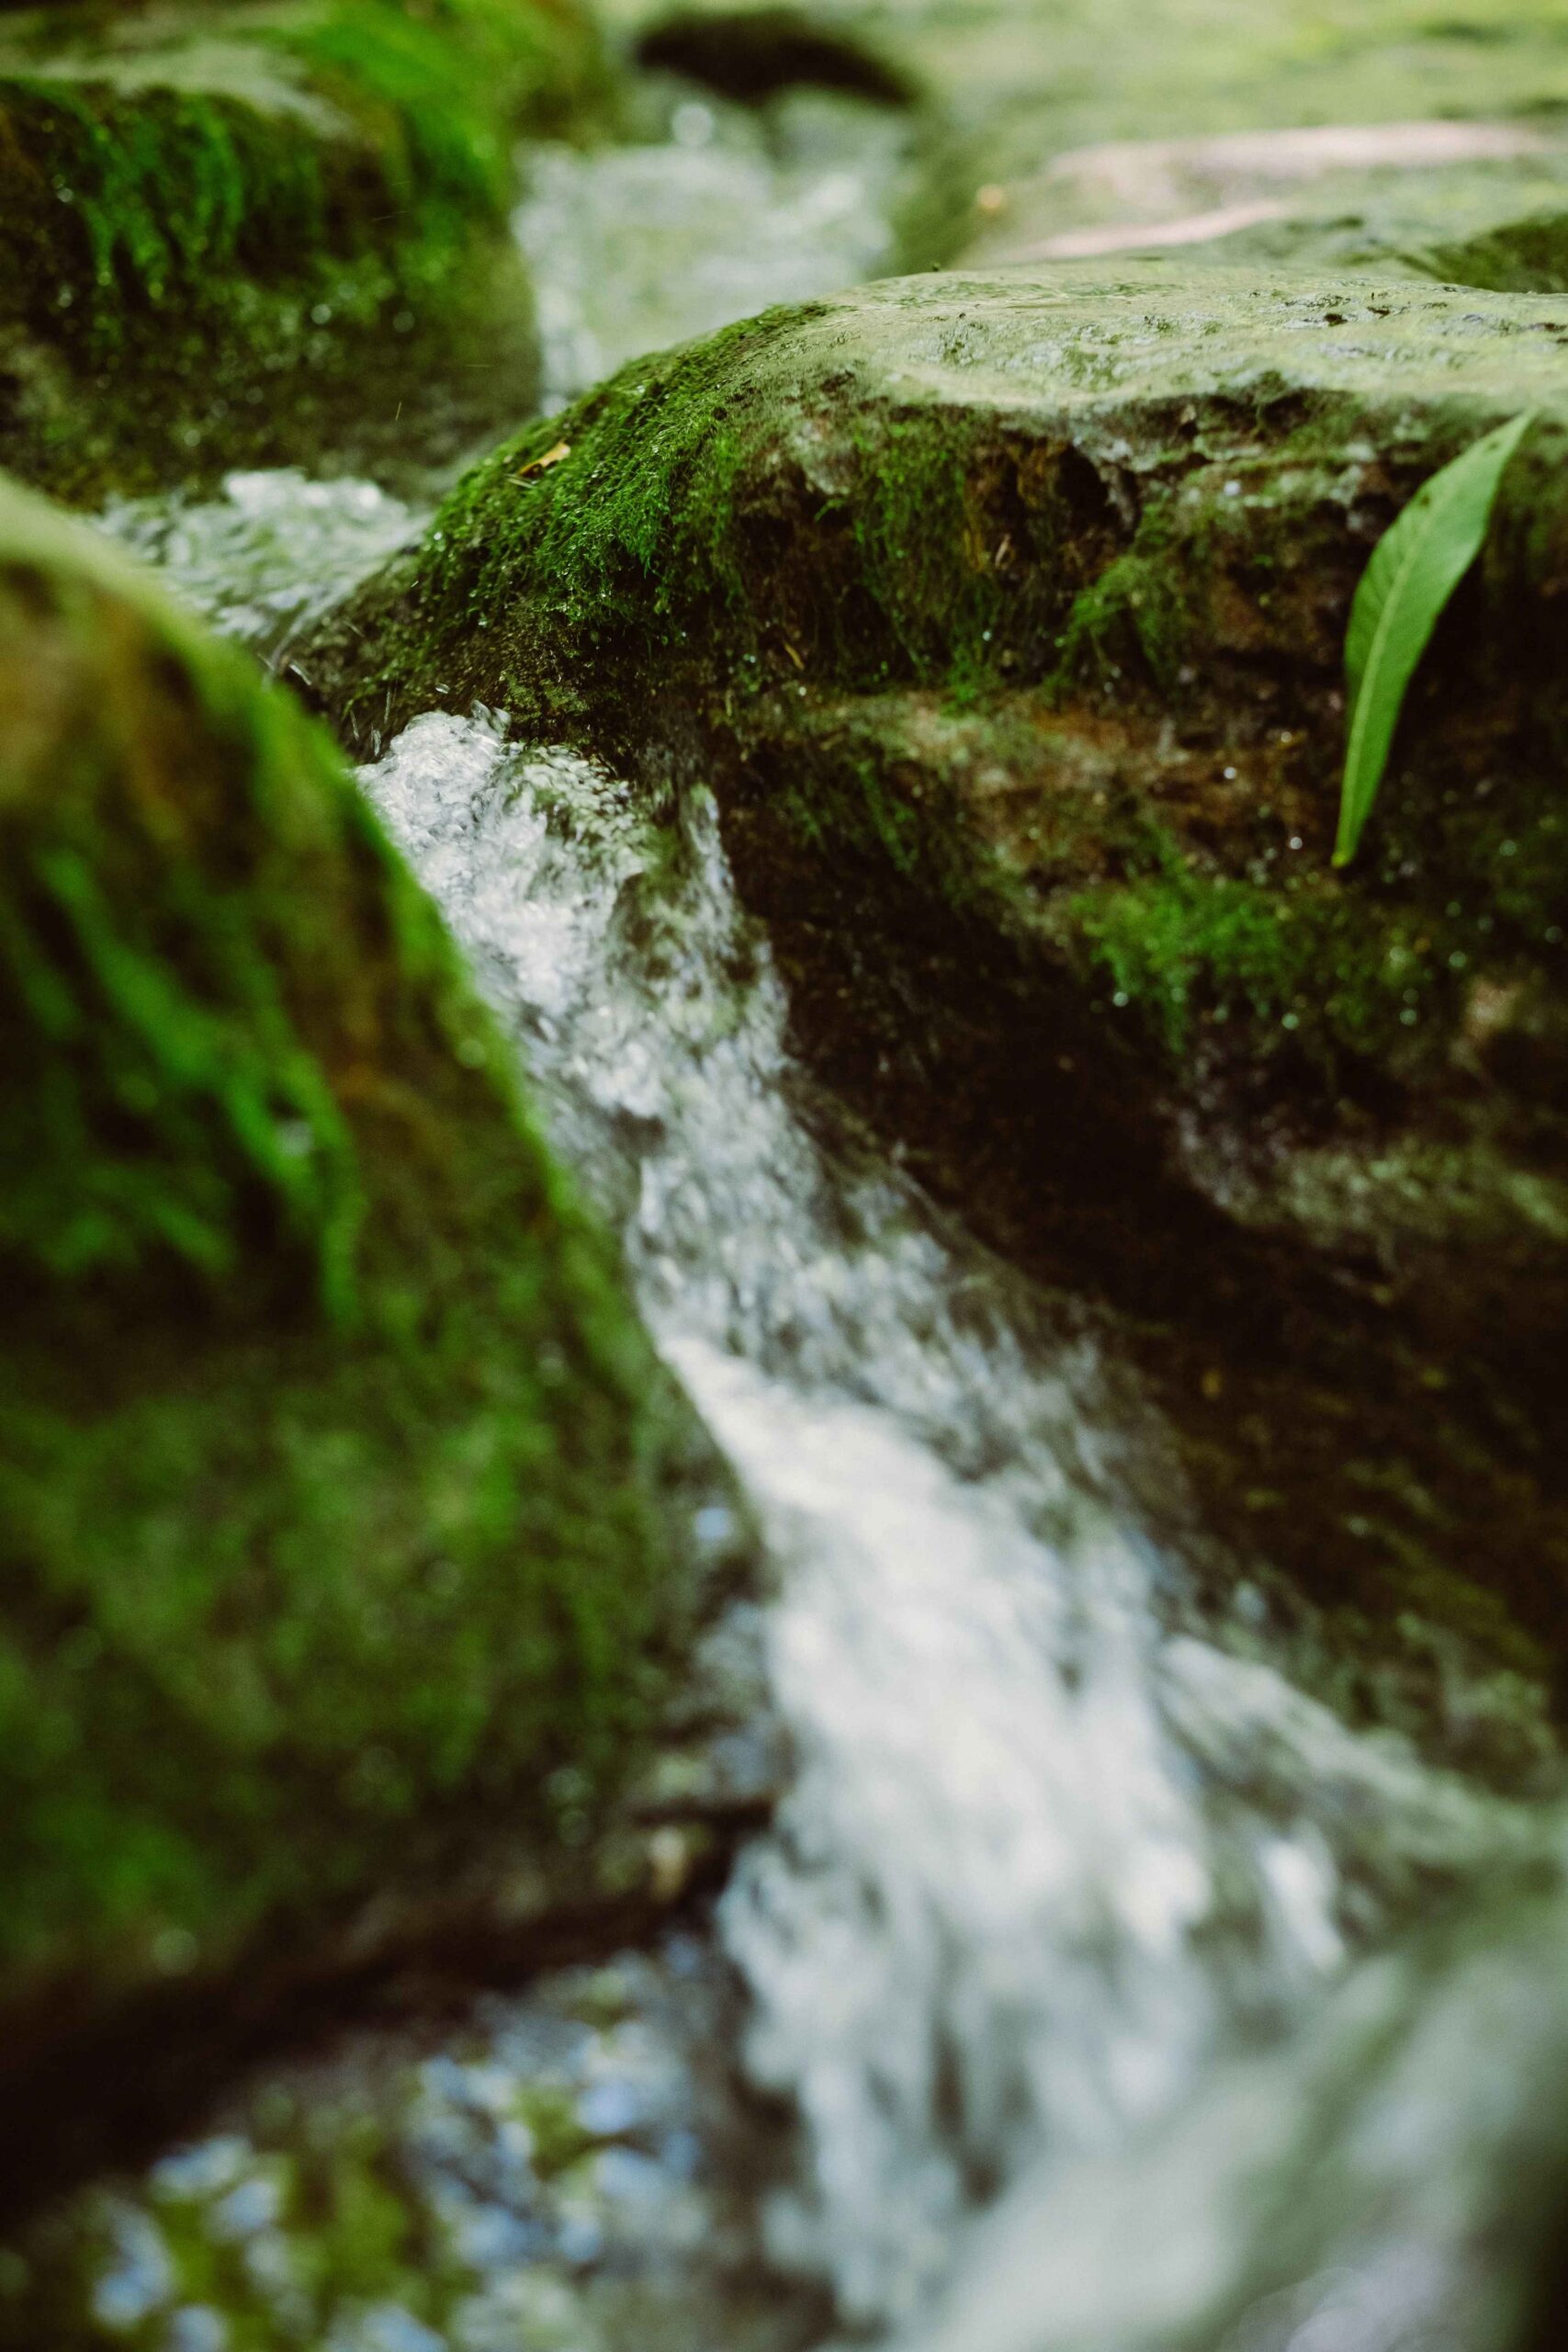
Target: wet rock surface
(566, 2168)
(356, 1540)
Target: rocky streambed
(792, 1572)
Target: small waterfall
(1045, 1858)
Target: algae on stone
(228, 233)
(343, 1499)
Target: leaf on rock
(1415, 568)
(555, 456)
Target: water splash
(1388, 2181)
(1044, 1858)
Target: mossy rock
(1006, 613)
(233, 234)
(350, 1524)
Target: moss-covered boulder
(351, 1533)
(1006, 615)
(231, 233)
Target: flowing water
(1046, 1854)
(727, 210)
(1055, 1857)
(720, 210)
(272, 553)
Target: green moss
(163, 1103)
(245, 210)
(656, 459)
(1309, 972)
(342, 1495)
(917, 525)
(690, 514)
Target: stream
(1056, 1856)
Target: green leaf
(1415, 568)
